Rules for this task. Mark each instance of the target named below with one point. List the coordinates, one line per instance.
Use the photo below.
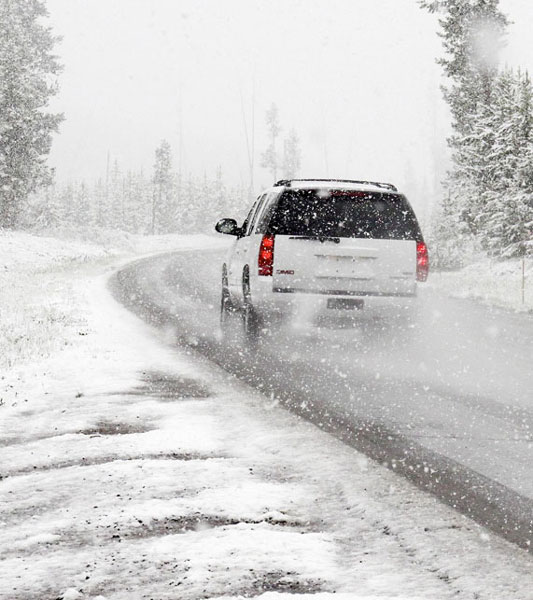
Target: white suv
(328, 245)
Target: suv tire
(250, 319)
(227, 309)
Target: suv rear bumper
(290, 302)
(343, 293)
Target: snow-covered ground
(496, 283)
(130, 468)
(39, 313)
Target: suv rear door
(241, 250)
(344, 242)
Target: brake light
(265, 261)
(349, 194)
(422, 261)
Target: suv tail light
(265, 261)
(422, 261)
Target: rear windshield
(344, 213)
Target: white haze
(357, 79)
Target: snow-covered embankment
(505, 284)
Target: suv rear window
(344, 213)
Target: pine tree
(190, 218)
(142, 202)
(292, 156)
(472, 32)
(483, 156)
(517, 214)
(524, 173)
(28, 71)
(163, 207)
(126, 203)
(44, 210)
(99, 195)
(114, 208)
(131, 213)
(504, 214)
(270, 158)
(82, 206)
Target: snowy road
(448, 405)
(134, 467)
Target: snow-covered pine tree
(114, 211)
(126, 202)
(292, 155)
(524, 173)
(28, 72)
(270, 159)
(518, 228)
(163, 207)
(483, 158)
(498, 189)
(131, 212)
(99, 196)
(142, 202)
(189, 213)
(473, 34)
(82, 214)
(44, 209)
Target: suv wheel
(226, 307)
(250, 318)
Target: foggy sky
(357, 79)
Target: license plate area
(345, 303)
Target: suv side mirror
(228, 226)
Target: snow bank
(118, 241)
(24, 251)
(37, 310)
(497, 283)
(38, 299)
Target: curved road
(448, 403)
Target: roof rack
(289, 182)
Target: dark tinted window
(262, 222)
(344, 213)
(249, 221)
